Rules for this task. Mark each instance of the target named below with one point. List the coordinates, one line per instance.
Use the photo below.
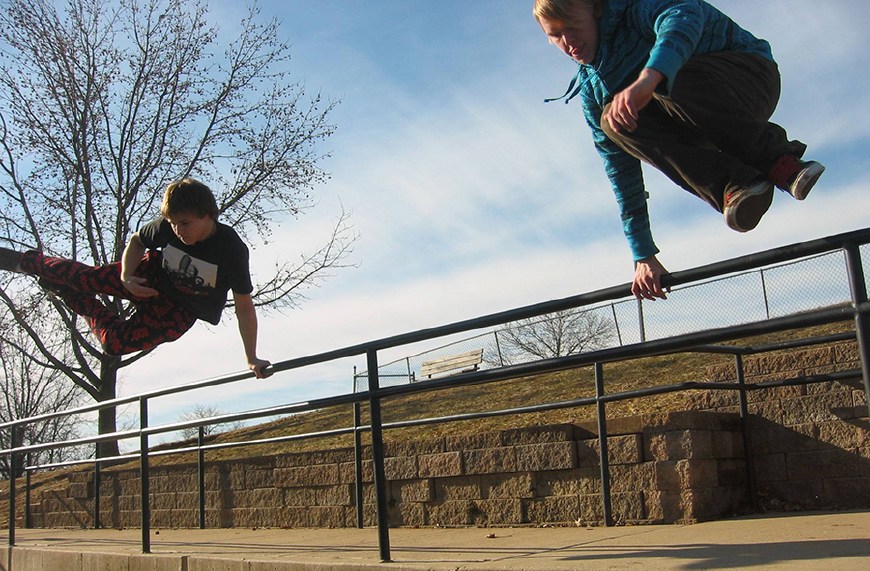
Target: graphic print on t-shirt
(190, 275)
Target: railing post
(28, 521)
(97, 480)
(746, 433)
(606, 502)
(14, 439)
(741, 384)
(200, 472)
(378, 456)
(357, 461)
(858, 288)
(144, 476)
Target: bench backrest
(464, 362)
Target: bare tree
(555, 335)
(30, 389)
(201, 411)
(102, 103)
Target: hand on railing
(260, 367)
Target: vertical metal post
(602, 446)
(28, 520)
(616, 324)
(378, 456)
(764, 294)
(357, 461)
(640, 320)
(858, 288)
(741, 383)
(498, 348)
(15, 439)
(200, 472)
(144, 476)
(97, 481)
(746, 434)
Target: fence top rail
(769, 257)
(685, 342)
(738, 264)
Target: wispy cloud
(471, 196)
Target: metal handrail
(742, 263)
(701, 341)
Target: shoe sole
(745, 214)
(10, 260)
(802, 186)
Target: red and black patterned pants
(155, 320)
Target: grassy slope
(555, 387)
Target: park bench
(461, 363)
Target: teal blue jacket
(663, 35)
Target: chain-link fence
(773, 291)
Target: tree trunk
(107, 416)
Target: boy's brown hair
(188, 196)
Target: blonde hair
(188, 196)
(559, 10)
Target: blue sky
(471, 196)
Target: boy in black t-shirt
(175, 270)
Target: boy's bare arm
(246, 314)
(130, 260)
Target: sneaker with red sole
(745, 207)
(795, 176)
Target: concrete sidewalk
(818, 540)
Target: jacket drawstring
(572, 91)
(568, 93)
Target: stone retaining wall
(809, 448)
(810, 444)
(664, 468)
